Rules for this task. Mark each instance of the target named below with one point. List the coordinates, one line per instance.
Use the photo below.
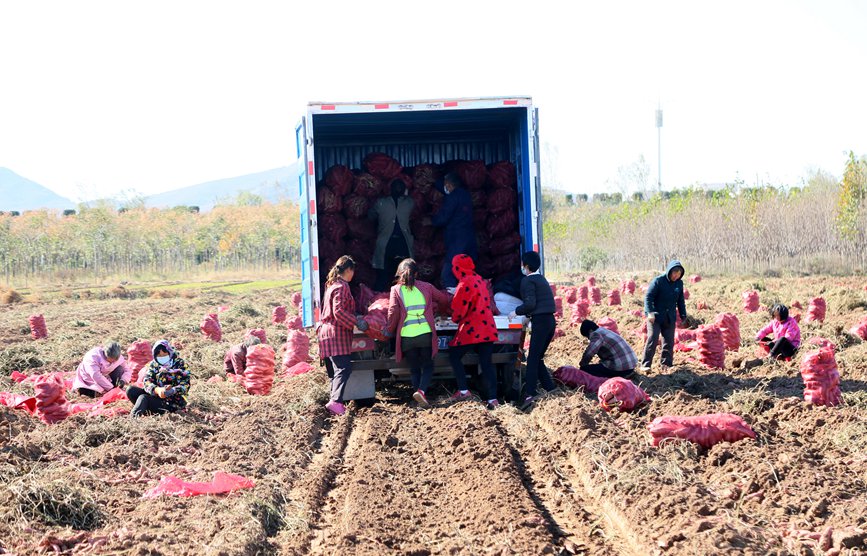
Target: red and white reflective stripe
(510, 103)
(315, 263)
(310, 168)
(327, 107)
(536, 247)
(381, 107)
(450, 104)
(312, 207)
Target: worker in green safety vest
(411, 309)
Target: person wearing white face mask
(166, 383)
(538, 304)
(456, 217)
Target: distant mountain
(19, 193)
(274, 185)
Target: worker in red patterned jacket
(471, 311)
(235, 360)
(335, 328)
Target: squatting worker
(456, 216)
(663, 300)
(335, 329)
(538, 304)
(235, 360)
(411, 321)
(101, 370)
(393, 237)
(616, 357)
(165, 384)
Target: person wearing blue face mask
(166, 383)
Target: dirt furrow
(553, 482)
(431, 482)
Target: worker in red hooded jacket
(477, 331)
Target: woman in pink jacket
(411, 322)
(101, 370)
(786, 334)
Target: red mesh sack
(435, 199)
(694, 279)
(382, 166)
(711, 349)
(621, 394)
(614, 297)
(502, 175)
(506, 263)
(553, 287)
(685, 294)
(687, 335)
(51, 404)
(328, 201)
(473, 173)
(138, 355)
(294, 323)
(501, 224)
(502, 200)
(480, 217)
(571, 294)
(364, 298)
(339, 179)
(595, 295)
(296, 349)
(364, 274)
(797, 305)
(259, 374)
(821, 378)
(377, 318)
(359, 249)
(558, 306)
(816, 310)
(704, 430)
(220, 484)
(211, 328)
(558, 333)
(583, 292)
(751, 301)
(424, 176)
(421, 232)
(428, 269)
(479, 199)
(37, 327)
(504, 244)
(259, 333)
(420, 207)
(361, 228)
(356, 206)
(609, 324)
(494, 309)
(367, 186)
(701, 305)
(860, 329)
(298, 369)
(575, 377)
(578, 312)
(332, 227)
(730, 326)
(278, 314)
(628, 286)
(296, 299)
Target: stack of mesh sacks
(345, 196)
(730, 326)
(711, 349)
(296, 355)
(51, 404)
(259, 374)
(821, 378)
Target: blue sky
(100, 97)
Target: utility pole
(659, 146)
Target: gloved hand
(170, 391)
(362, 325)
(160, 391)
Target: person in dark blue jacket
(664, 297)
(456, 216)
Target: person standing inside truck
(393, 237)
(335, 329)
(477, 331)
(411, 321)
(538, 304)
(456, 216)
(663, 300)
